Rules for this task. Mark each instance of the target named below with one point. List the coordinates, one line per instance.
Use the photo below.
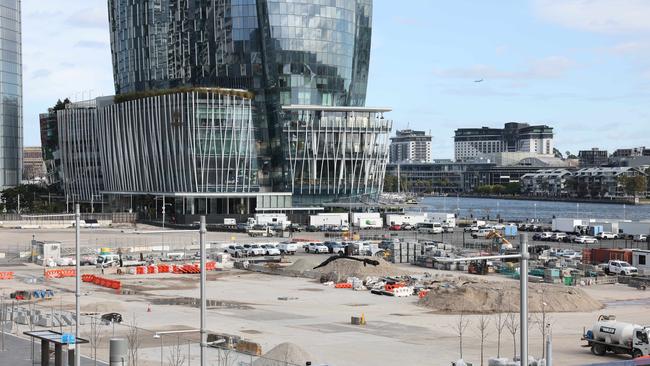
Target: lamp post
(77, 294)
(202, 230)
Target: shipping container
(604, 255)
(366, 220)
(566, 225)
(635, 228)
(446, 219)
(401, 219)
(329, 219)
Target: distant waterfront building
(410, 146)
(471, 143)
(633, 157)
(603, 181)
(33, 167)
(546, 182)
(593, 158)
(11, 118)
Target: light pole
(77, 294)
(202, 230)
(535, 205)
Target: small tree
(176, 356)
(500, 323)
(95, 336)
(134, 341)
(483, 323)
(543, 321)
(512, 324)
(460, 327)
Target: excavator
(498, 240)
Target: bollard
(118, 352)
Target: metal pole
(523, 301)
(77, 351)
(203, 300)
(549, 350)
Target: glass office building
(287, 52)
(11, 125)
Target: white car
(316, 248)
(640, 237)
(270, 249)
(606, 235)
(288, 248)
(585, 240)
(621, 267)
(482, 233)
(235, 251)
(65, 261)
(558, 236)
(253, 249)
(546, 235)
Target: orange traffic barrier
(423, 293)
(101, 281)
(6, 275)
(59, 273)
(343, 285)
(391, 287)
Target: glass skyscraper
(11, 126)
(287, 52)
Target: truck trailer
(609, 335)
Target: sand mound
(282, 354)
(301, 265)
(494, 297)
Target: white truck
(609, 335)
(367, 220)
(622, 268)
(270, 220)
(567, 225)
(446, 219)
(329, 219)
(401, 219)
(263, 231)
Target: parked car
(558, 237)
(335, 247)
(545, 236)
(236, 251)
(482, 233)
(622, 268)
(88, 260)
(288, 248)
(296, 228)
(313, 228)
(471, 229)
(640, 237)
(253, 250)
(606, 235)
(585, 240)
(570, 254)
(395, 227)
(316, 248)
(408, 227)
(270, 249)
(108, 260)
(111, 318)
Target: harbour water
(519, 210)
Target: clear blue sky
(581, 66)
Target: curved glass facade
(300, 52)
(11, 126)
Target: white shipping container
(329, 219)
(366, 219)
(401, 219)
(446, 219)
(270, 219)
(635, 228)
(567, 225)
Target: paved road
(17, 353)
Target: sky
(580, 66)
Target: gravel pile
(284, 354)
(494, 297)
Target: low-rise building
(546, 182)
(602, 182)
(33, 167)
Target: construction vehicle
(499, 240)
(609, 335)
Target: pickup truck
(622, 268)
(606, 235)
(255, 231)
(288, 248)
(317, 248)
(482, 233)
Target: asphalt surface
(17, 353)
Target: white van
(108, 260)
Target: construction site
(371, 296)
